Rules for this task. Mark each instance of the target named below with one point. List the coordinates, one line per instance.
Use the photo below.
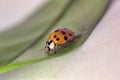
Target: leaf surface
(24, 44)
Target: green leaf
(23, 44)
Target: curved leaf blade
(76, 16)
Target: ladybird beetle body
(58, 38)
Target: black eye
(63, 32)
(55, 36)
(65, 38)
(57, 39)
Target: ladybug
(59, 38)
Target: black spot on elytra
(65, 38)
(54, 36)
(57, 39)
(63, 32)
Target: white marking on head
(52, 45)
